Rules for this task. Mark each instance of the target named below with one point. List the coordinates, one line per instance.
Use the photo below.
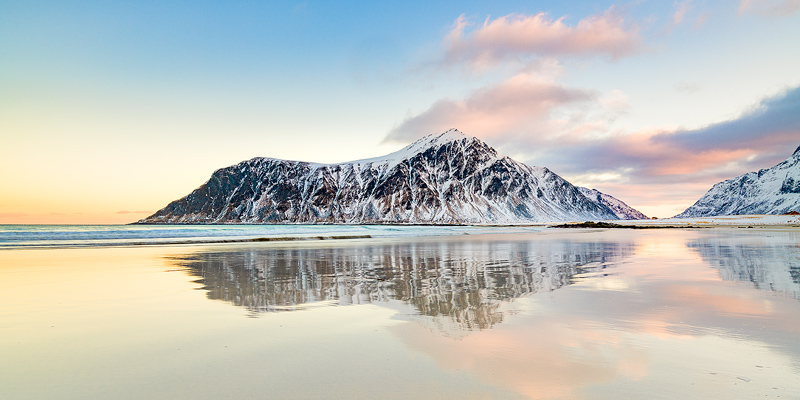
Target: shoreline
(788, 220)
(55, 237)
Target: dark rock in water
(591, 224)
(447, 178)
(607, 225)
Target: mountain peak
(419, 146)
(795, 154)
(451, 135)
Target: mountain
(773, 190)
(446, 178)
(617, 206)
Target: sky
(109, 110)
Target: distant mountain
(446, 178)
(620, 209)
(774, 190)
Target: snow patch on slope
(622, 210)
(773, 190)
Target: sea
(47, 236)
(398, 312)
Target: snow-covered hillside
(774, 190)
(622, 210)
(443, 178)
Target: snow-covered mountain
(620, 209)
(446, 178)
(773, 190)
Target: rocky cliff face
(444, 178)
(620, 209)
(773, 190)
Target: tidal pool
(588, 314)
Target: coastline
(138, 235)
(698, 222)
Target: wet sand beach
(561, 313)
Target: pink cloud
(681, 8)
(771, 8)
(522, 104)
(517, 36)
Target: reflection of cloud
(464, 282)
(544, 360)
(666, 321)
(517, 36)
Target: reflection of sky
(663, 322)
(570, 317)
(627, 314)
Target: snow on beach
(721, 220)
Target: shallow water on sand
(711, 313)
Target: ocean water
(44, 236)
(508, 313)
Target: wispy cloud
(672, 168)
(681, 8)
(525, 105)
(13, 215)
(763, 135)
(770, 8)
(517, 36)
(687, 87)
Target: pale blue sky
(124, 106)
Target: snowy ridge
(446, 178)
(622, 210)
(773, 190)
(392, 159)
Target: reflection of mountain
(770, 263)
(466, 281)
